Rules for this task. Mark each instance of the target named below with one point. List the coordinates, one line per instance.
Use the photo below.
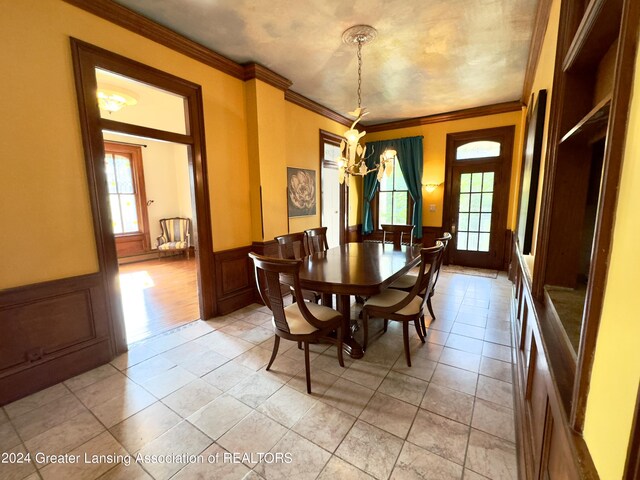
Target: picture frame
(301, 192)
(530, 173)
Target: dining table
(360, 269)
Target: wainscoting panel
(50, 332)
(548, 447)
(235, 285)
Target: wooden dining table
(362, 269)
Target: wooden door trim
(505, 135)
(86, 58)
(328, 137)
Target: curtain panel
(410, 158)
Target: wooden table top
(357, 268)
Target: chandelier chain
(359, 73)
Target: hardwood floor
(158, 295)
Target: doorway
(334, 199)
(148, 182)
(187, 132)
(478, 172)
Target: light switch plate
(432, 207)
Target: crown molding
(141, 25)
(134, 22)
(448, 116)
(309, 104)
(255, 70)
(537, 39)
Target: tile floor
(202, 391)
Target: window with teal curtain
(410, 161)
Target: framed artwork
(530, 173)
(301, 192)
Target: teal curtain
(410, 158)
(369, 187)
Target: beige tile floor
(202, 391)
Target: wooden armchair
(294, 246)
(402, 306)
(407, 281)
(301, 321)
(175, 235)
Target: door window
(478, 149)
(474, 212)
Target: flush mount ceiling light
(112, 100)
(352, 154)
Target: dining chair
(304, 322)
(295, 246)
(317, 240)
(407, 281)
(402, 306)
(397, 233)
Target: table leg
(327, 300)
(351, 346)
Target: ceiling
(431, 56)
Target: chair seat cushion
(172, 246)
(391, 297)
(297, 323)
(406, 281)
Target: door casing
(502, 164)
(86, 58)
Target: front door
(478, 174)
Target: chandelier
(353, 157)
(113, 100)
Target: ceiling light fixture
(112, 100)
(352, 159)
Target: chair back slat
(445, 241)
(293, 246)
(269, 275)
(317, 240)
(430, 257)
(397, 234)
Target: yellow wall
(45, 182)
(616, 367)
(435, 147)
(303, 150)
(543, 80)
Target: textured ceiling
(431, 56)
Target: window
(479, 149)
(122, 195)
(393, 198)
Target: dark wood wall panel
(354, 233)
(548, 448)
(235, 287)
(50, 332)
